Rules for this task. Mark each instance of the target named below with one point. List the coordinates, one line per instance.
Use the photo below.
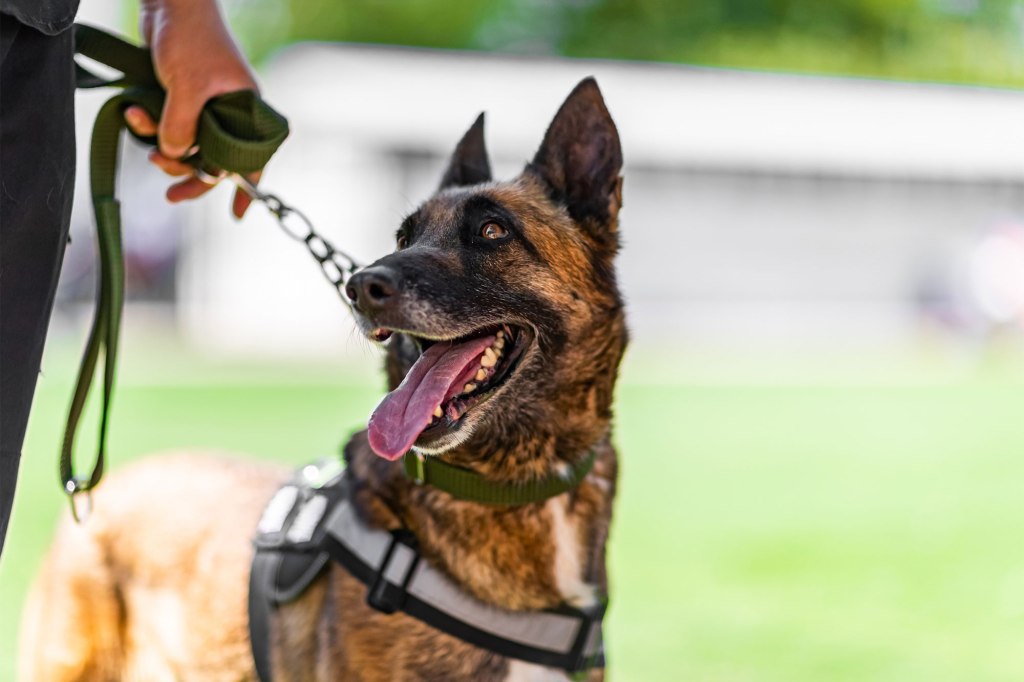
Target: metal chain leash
(337, 266)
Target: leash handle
(237, 133)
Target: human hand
(195, 59)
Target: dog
(513, 285)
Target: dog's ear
(580, 160)
(469, 164)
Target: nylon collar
(468, 485)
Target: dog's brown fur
(154, 586)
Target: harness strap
(307, 524)
(265, 565)
(468, 485)
(237, 132)
(390, 566)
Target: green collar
(469, 485)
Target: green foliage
(955, 40)
(971, 41)
(266, 24)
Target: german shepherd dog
(154, 586)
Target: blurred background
(820, 413)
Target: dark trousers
(37, 179)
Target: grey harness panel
(305, 526)
(541, 629)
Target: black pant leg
(37, 177)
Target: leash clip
(80, 497)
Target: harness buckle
(387, 596)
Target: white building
(758, 208)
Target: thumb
(178, 123)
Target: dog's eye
(402, 241)
(493, 231)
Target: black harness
(311, 521)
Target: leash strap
(469, 485)
(237, 133)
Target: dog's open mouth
(449, 379)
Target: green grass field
(847, 526)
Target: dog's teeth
(469, 388)
(438, 412)
(499, 344)
(491, 353)
(489, 359)
(481, 374)
(501, 333)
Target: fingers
(242, 201)
(177, 129)
(176, 133)
(191, 188)
(194, 187)
(172, 167)
(187, 189)
(140, 122)
(240, 204)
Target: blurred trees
(971, 41)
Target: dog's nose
(372, 288)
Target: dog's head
(500, 300)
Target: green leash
(237, 133)
(468, 485)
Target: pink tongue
(405, 412)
